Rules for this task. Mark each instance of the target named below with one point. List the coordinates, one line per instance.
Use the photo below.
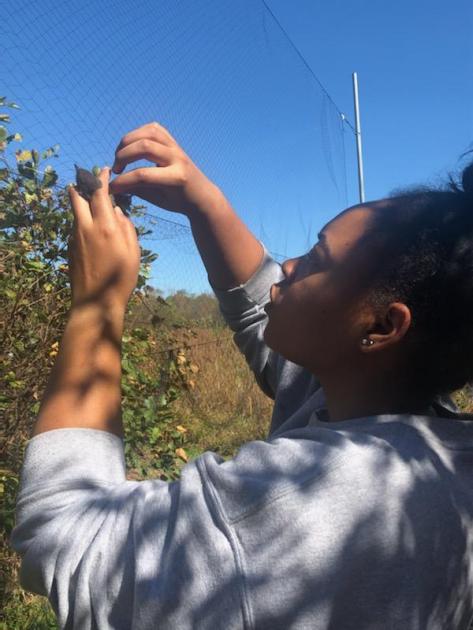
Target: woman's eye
(313, 259)
(305, 263)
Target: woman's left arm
(83, 390)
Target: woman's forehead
(352, 222)
(347, 237)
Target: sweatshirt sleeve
(243, 310)
(112, 553)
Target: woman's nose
(289, 266)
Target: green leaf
(3, 174)
(3, 133)
(35, 265)
(5, 118)
(30, 186)
(51, 152)
(26, 169)
(128, 367)
(50, 176)
(154, 435)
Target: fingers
(100, 204)
(152, 131)
(139, 178)
(142, 149)
(80, 208)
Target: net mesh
(220, 75)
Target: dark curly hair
(427, 245)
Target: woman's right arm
(230, 252)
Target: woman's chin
(275, 340)
(269, 337)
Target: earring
(367, 342)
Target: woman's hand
(104, 253)
(174, 183)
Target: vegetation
(185, 388)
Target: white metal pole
(361, 180)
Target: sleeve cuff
(254, 290)
(71, 454)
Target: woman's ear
(390, 327)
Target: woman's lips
(274, 291)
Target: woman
(357, 512)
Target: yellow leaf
(23, 156)
(181, 429)
(194, 368)
(30, 197)
(180, 452)
(53, 353)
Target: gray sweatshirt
(360, 524)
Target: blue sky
(415, 63)
(222, 77)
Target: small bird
(87, 183)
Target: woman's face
(317, 315)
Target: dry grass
(463, 398)
(222, 407)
